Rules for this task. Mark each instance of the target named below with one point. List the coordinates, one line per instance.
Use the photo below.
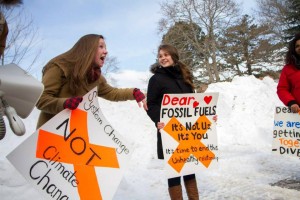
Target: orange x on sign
(187, 138)
(74, 148)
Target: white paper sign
(75, 155)
(286, 133)
(189, 136)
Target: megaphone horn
(2, 125)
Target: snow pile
(246, 110)
(246, 168)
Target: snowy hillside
(246, 167)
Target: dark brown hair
(291, 53)
(186, 73)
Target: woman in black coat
(170, 77)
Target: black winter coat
(166, 80)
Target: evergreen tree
(247, 44)
(187, 37)
(292, 18)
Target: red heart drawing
(207, 99)
(195, 104)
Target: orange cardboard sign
(189, 136)
(76, 149)
(191, 139)
(76, 155)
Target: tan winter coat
(3, 33)
(56, 91)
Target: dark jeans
(176, 180)
(160, 153)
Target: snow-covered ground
(247, 168)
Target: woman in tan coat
(71, 75)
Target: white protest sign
(286, 133)
(189, 136)
(75, 155)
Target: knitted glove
(72, 103)
(138, 95)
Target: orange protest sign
(189, 135)
(192, 137)
(76, 149)
(75, 155)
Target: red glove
(138, 95)
(72, 103)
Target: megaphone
(19, 92)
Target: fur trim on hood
(154, 67)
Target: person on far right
(288, 88)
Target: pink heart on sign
(195, 104)
(207, 99)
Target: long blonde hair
(79, 59)
(186, 73)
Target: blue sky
(130, 27)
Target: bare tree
(273, 13)
(282, 16)
(212, 16)
(110, 66)
(22, 44)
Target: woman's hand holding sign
(160, 125)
